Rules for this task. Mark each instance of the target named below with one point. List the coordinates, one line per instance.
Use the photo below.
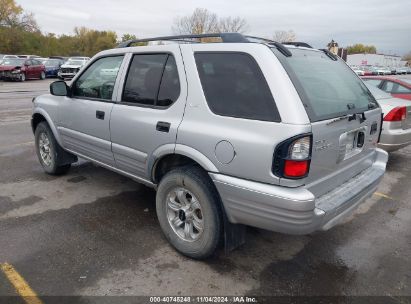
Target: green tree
(127, 37)
(13, 16)
(361, 48)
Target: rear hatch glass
(344, 115)
(327, 88)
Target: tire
(53, 158)
(42, 75)
(22, 77)
(198, 244)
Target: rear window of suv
(328, 88)
(234, 86)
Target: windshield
(328, 88)
(75, 62)
(51, 63)
(376, 92)
(12, 61)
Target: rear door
(150, 107)
(345, 117)
(29, 68)
(37, 68)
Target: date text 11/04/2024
(205, 299)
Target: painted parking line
(20, 284)
(383, 195)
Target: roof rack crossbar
(280, 47)
(225, 37)
(298, 44)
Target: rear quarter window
(234, 86)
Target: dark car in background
(52, 66)
(397, 87)
(21, 69)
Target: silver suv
(244, 131)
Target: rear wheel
(42, 75)
(189, 212)
(49, 152)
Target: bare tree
(199, 22)
(284, 36)
(203, 21)
(232, 25)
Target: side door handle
(163, 126)
(100, 115)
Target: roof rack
(298, 44)
(225, 37)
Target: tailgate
(342, 148)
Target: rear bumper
(296, 210)
(394, 139)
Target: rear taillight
(292, 157)
(396, 114)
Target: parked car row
(367, 70)
(22, 67)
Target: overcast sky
(385, 24)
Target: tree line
(20, 33)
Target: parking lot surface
(94, 232)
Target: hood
(9, 67)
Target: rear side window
(374, 82)
(152, 80)
(234, 86)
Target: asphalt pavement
(94, 232)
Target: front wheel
(49, 152)
(22, 77)
(189, 211)
(42, 75)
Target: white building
(375, 59)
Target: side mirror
(59, 88)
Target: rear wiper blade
(329, 54)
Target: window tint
(401, 89)
(374, 82)
(389, 86)
(234, 86)
(327, 88)
(99, 79)
(152, 80)
(170, 84)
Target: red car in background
(397, 87)
(21, 69)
